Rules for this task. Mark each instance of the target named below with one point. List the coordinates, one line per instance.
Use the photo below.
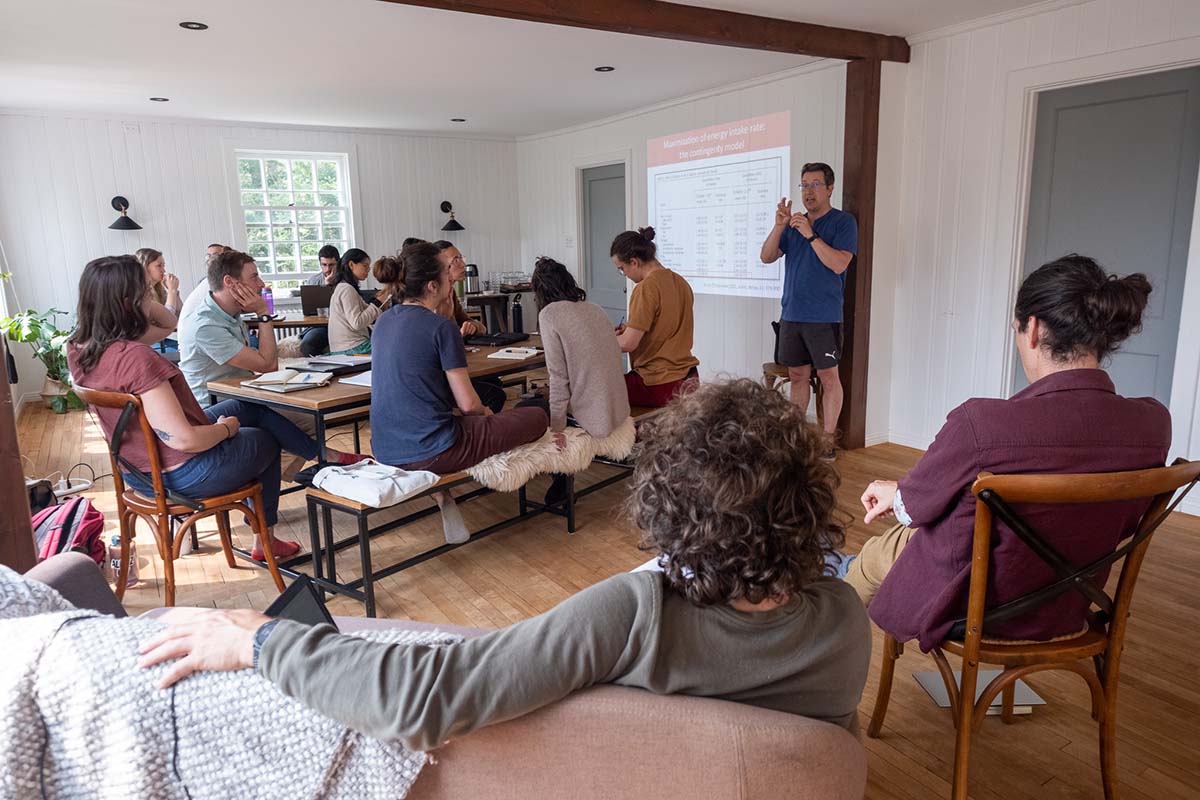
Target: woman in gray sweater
(730, 488)
(582, 357)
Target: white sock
(453, 524)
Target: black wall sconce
(123, 223)
(451, 224)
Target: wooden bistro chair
(158, 510)
(1104, 638)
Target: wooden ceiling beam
(688, 24)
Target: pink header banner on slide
(743, 136)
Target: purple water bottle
(269, 299)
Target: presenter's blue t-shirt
(812, 292)
(412, 407)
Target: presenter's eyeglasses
(813, 185)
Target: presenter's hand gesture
(800, 222)
(783, 212)
(171, 282)
(878, 500)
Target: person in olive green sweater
(729, 488)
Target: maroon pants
(480, 437)
(659, 395)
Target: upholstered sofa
(603, 743)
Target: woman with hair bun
(1069, 317)
(658, 336)
(419, 377)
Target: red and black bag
(73, 525)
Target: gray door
(603, 219)
(1114, 178)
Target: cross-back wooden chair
(158, 510)
(1104, 638)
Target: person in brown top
(658, 336)
(745, 609)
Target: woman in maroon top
(1070, 315)
(203, 452)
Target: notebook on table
(288, 380)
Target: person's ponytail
(637, 244)
(1082, 309)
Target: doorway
(603, 214)
(1114, 178)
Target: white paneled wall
(59, 171)
(733, 334)
(968, 107)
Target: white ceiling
(364, 63)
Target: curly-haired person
(730, 488)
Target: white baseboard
(28, 397)
(917, 442)
(877, 438)
(1190, 506)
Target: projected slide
(711, 196)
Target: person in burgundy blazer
(1070, 315)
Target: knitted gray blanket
(78, 719)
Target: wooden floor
(530, 568)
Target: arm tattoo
(166, 437)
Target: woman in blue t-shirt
(419, 378)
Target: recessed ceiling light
(605, 69)
(457, 119)
(160, 99)
(194, 26)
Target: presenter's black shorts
(804, 343)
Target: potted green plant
(40, 330)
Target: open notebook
(288, 380)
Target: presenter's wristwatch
(268, 318)
(810, 239)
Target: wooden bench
(363, 588)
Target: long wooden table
(338, 397)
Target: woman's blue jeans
(252, 455)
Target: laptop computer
(503, 339)
(314, 297)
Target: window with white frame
(292, 205)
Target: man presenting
(819, 246)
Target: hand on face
(247, 298)
(171, 282)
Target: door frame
(1008, 248)
(580, 163)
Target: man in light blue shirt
(213, 340)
